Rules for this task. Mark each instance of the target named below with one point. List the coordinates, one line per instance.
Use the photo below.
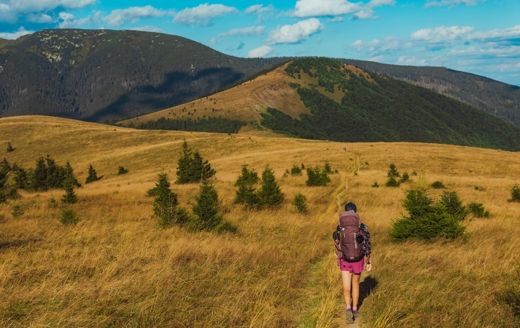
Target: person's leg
(355, 291)
(347, 278)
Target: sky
(477, 36)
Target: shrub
(375, 185)
(405, 178)
(269, 194)
(122, 170)
(392, 183)
(393, 172)
(207, 212)
(300, 202)
(438, 185)
(68, 216)
(327, 168)
(317, 177)
(426, 220)
(478, 210)
(165, 205)
(246, 188)
(92, 175)
(515, 194)
(17, 211)
(452, 205)
(296, 170)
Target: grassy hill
(105, 75)
(321, 98)
(499, 99)
(118, 268)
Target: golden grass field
(117, 268)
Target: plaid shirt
(366, 245)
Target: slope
(105, 75)
(494, 97)
(116, 267)
(320, 98)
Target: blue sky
(478, 36)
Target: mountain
(497, 98)
(104, 75)
(320, 98)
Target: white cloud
(442, 33)
(202, 14)
(258, 9)
(154, 29)
(249, 30)
(259, 52)
(309, 8)
(121, 16)
(15, 35)
(449, 3)
(39, 18)
(11, 10)
(296, 32)
(68, 20)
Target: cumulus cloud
(249, 30)
(449, 3)
(202, 14)
(309, 8)
(258, 9)
(442, 33)
(121, 16)
(259, 52)
(68, 20)
(11, 10)
(40, 18)
(15, 35)
(296, 32)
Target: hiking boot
(355, 315)
(350, 316)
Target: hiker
(352, 241)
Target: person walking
(353, 249)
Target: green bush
(405, 178)
(426, 220)
(375, 185)
(296, 170)
(246, 188)
(317, 177)
(270, 194)
(438, 185)
(122, 170)
(68, 216)
(392, 183)
(393, 176)
(70, 196)
(92, 175)
(515, 194)
(10, 148)
(191, 167)
(451, 203)
(478, 210)
(165, 205)
(300, 202)
(207, 212)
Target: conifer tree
(69, 175)
(206, 208)
(21, 178)
(39, 176)
(246, 188)
(184, 174)
(393, 172)
(92, 175)
(270, 193)
(165, 205)
(70, 196)
(55, 173)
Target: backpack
(348, 237)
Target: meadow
(118, 268)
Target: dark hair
(350, 207)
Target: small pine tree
(68, 175)
(515, 194)
(405, 178)
(453, 205)
(317, 177)
(55, 173)
(39, 176)
(21, 178)
(246, 188)
(70, 196)
(393, 172)
(296, 170)
(300, 202)
(438, 185)
(122, 170)
(184, 165)
(327, 168)
(165, 205)
(92, 175)
(269, 193)
(392, 182)
(206, 209)
(5, 168)
(10, 148)
(478, 210)
(68, 217)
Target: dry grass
(117, 268)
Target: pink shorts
(354, 267)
